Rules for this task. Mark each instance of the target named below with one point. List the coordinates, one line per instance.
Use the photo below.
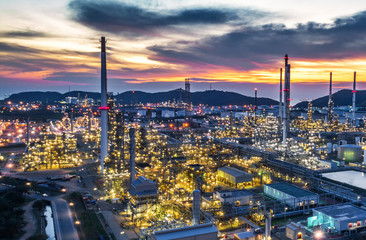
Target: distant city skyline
(153, 45)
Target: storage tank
(350, 153)
(329, 147)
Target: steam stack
(268, 226)
(330, 102)
(89, 121)
(286, 115)
(72, 120)
(188, 97)
(103, 108)
(132, 154)
(196, 207)
(354, 99)
(255, 100)
(280, 111)
(28, 135)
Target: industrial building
(206, 231)
(327, 164)
(144, 194)
(338, 218)
(350, 153)
(239, 198)
(249, 235)
(234, 177)
(295, 231)
(291, 195)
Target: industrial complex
(184, 171)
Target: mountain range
(340, 98)
(211, 97)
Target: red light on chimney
(354, 91)
(103, 108)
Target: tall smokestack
(132, 154)
(72, 120)
(188, 97)
(330, 101)
(196, 207)
(28, 135)
(280, 111)
(89, 122)
(286, 90)
(354, 99)
(268, 226)
(255, 100)
(103, 108)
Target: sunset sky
(153, 45)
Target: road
(64, 223)
(114, 226)
(65, 226)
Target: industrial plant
(180, 170)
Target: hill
(340, 98)
(212, 97)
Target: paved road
(114, 225)
(64, 224)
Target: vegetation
(90, 227)
(11, 214)
(38, 237)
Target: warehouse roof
(290, 189)
(350, 146)
(343, 212)
(233, 171)
(185, 232)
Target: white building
(295, 231)
(291, 195)
(338, 218)
(167, 113)
(238, 198)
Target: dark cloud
(14, 48)
(24, 34)
(118, 17)
(74, 77)
(251, 47)
(146, 72)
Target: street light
(285, 212)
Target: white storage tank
(329, 147)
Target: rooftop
(290, 189)
(343, 212)
(233, 171)
(238, 193)
(185, 232)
